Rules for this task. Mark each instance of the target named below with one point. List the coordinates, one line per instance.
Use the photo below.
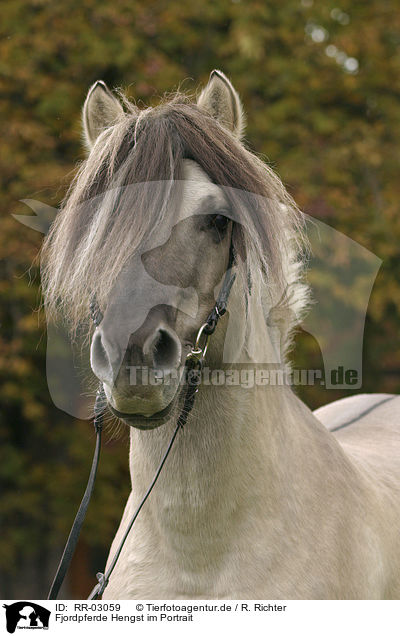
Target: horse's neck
(241, 456)
(238, 453)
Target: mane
(106, 215)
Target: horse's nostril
(99, 359)
(166, 350)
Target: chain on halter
(193, 367)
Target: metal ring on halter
(197, 352)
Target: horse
(260, 497)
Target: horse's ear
(100, 110)
(220, 100)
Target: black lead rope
(80, 515)
(193, 367)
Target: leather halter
(193, 366)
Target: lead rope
(80, 515)
(193, 366)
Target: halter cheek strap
(193, 366)
(221, 304)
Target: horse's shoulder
(356, 408)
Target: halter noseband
(193, 366)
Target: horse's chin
(146, 422)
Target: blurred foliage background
(320, 83)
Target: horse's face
(160, 301)
(165, 293)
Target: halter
(193, 366)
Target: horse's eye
(219, 221)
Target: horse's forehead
(193, 172)
(197, 188)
